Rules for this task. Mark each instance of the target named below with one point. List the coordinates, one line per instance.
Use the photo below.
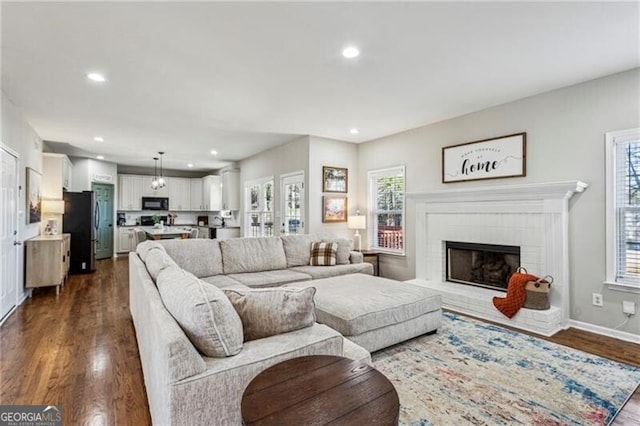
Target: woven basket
(538, 294)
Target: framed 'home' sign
(494, 158)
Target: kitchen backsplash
(182, 218)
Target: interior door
(103, 219)
(292, 204)
(9, 243)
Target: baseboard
(609, 332)
(25, 296)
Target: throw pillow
(157, 261)
(323, 254)
(203, 312)
(270, 311)
(343, 252)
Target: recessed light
(214, 152)
(189, 165)
(97, 77)
(98, 139)
(100, 157)
(354, 131)
(350, 52)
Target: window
(623, 209)
(386, 209)
(258, 208)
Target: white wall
(84, 172)
(329, 152)
(287, 158)
(565, 140)
(20, 137)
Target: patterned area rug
(475, 373)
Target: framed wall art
(335, 179)
(34, 196)
(334, 209)
(494, 158)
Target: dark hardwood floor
(78, 349)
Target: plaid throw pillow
(323, 254)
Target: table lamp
(357, 222)
(52, 207)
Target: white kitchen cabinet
(226, 233)
(179, 193)
(231, 190)
(147, 191)
(125, 239)
(130, 192)
(195, 186)
(56, 173)
(212, 193)
(203, 232)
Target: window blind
(627, 206)
(386, 189)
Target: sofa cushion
(199, 256)
(203, 311)
(318, 272)
(145, 247)
(270, 278)
(221, 281)
(269, 311)
(344, 249)
(357, 303)
(157, 261)
(297, 248)
(323, 253)
(252, 255)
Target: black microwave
(155, 203)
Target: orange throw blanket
(516, 295)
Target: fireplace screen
(482, 265)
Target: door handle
(17, 243)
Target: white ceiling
(240, 78)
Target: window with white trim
(386, 209)
(258, 208)
(623, 208)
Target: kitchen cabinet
(212, 193)
(203, 232)
(195, 186)
(56, 175)
(47, 260)
(130, 192)
(226, 233)
(179, 194)
(147, 191)
(231, 190)
(126, 239)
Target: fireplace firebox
(481, 265)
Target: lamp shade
(53, 206)
(356, 222)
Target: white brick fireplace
(534, 217)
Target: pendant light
(161, 181)
(155, 184)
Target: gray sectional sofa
(186, 387)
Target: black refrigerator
(80, 221)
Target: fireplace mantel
(531, 191)
(532, 216)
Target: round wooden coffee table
(320, 389)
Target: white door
(8, 230)
(292, 186)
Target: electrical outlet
(597, 299)
(628, 307)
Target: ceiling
(186, 78)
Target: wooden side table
(318, 390)
(376, 260)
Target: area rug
(476, 373)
